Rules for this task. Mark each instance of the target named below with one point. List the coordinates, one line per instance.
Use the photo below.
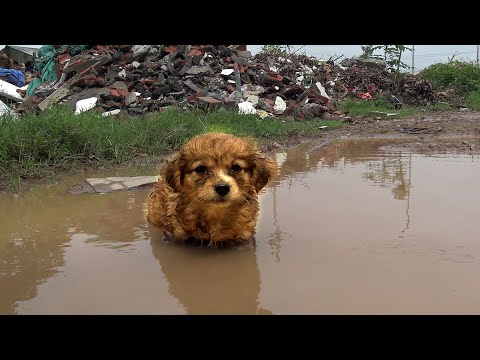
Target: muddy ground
(436, 132)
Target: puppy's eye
(201, 169)
(236, 167)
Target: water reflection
(37, 226)
(386, 169)
(208, 280)
(316, 212)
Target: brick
(131, 98)
(185, 68)
(193, 98)
(62, 59)
(292, 104)
(271, 78)
(208, 103)
(291, 91)
(80, 64)
(269, 101)
(119, 85)
(192, 86)
(229, 103)
(244, 54)
(330, 105)
(209, 100)
(147, 82)
(170, 49)
(118, 92)
(90, 81)
(195, 52)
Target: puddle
(350, 228)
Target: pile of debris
(144, 78)
(367, 79)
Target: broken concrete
(85, 105)
(176, 75)
(246, 108)
(253, 99)
(279, 106)
(9, 91)
(109, 184)
(57, 95)
(382, 114)
(112, 112)
(4, 109)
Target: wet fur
(184, 202)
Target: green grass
(473, 100)
(460, 75)
(358, 108)
(37, 145)
(436, 107)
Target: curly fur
(185, 203)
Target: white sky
(425, 55)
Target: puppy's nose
(222, 189)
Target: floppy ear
(172, 172)
(263, 169)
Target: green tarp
(45, 63)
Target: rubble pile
(144, 78)
(416, 91)
(363, 79)
(366, 79)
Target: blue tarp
(15, 77)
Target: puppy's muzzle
(222, 189)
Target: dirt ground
(436, 132)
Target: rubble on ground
(115, 183)
(4, 109)
(138, 79)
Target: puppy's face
(219, 168)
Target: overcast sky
(425, 55)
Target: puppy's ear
(172, 172)
(263, 169)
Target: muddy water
(350, 228)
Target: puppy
(209, 190)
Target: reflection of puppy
(228, 283)
(209, 190)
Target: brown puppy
(208, 191)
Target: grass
(37, 145)
(459, 75)
(437, 107)
(473, 100)
(358, 108)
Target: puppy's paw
(244, 236)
